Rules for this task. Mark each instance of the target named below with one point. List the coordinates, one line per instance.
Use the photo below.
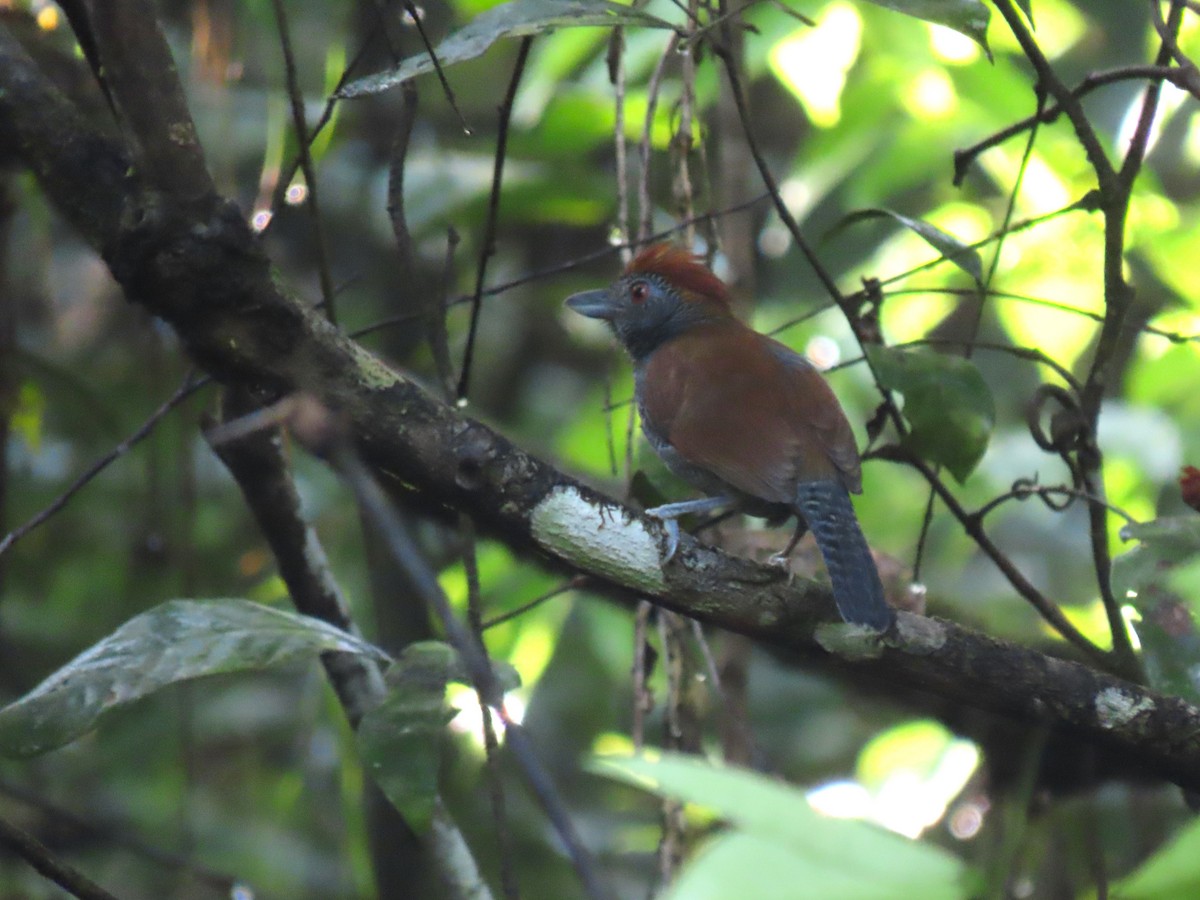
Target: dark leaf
(177, 641)
(400, 740)
(946, 402)
(517, 18)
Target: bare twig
(974, 529)
(1024, 489)
(37, 855)
(572, 584)
(1049, 82)
(616, 77)
(488, 245)
(645, 147)
(491, 746)
(432, 301)
(379, 512)
(186, 390)
(300, 124)
(965, 157)
(118, 834)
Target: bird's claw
(671, 527)
(782, 561)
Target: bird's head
(664, 291)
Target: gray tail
(826, 508)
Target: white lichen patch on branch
(597, 537)
(1116, 708)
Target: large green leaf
(970, 17)
(946, 401)
(400, 740)
(949, 246)
(517, 18)
(780, 842)
(177, 641)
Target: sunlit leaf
(177, 641)
(400, 740)
(946, 402)
(517, 18)
(970, 17)
(949, 246)
(781, 841)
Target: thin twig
(377, 509)
(572, 584)
(1190, 76)
(1049, 82)
(288, 172)
(965, 157)
(974, 529)
(1172, 336)
(34, 852)
(185, 390)
(616, 77)
(491, 746)
(643, 698)
(120, 835)
(488, 246)
(607, 251)
(417, 20)
(300, 124)
(645, 208)
(1023, 490)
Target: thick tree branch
(198, 266)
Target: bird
(742, 417)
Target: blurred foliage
(862, 108)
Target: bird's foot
(782, 561)
(671, 527)
(669, 513)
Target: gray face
(642, 309)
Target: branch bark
(198, 266)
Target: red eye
(639, 291)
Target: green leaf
(949, 246)
(177, 641)
(1170, 874)
(517, 18)
(969, 17)
(400, 740)
(946, 402)
(780, 841)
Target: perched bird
(740, 416)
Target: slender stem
(304, 142)
(493, 213)
(34, 852)
(143, 431)
(377, 509)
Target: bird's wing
(728, 402)
(820, 410)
